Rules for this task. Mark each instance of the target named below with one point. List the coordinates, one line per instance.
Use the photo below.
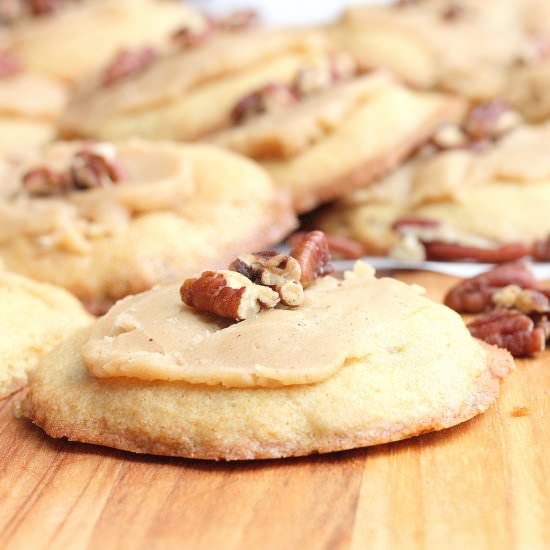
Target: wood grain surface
(483, 484)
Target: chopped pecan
(475, 295)
(44, 7)
(491, 120)
(269, 98)
(127, 63)
(415, 221)
(237, 21)
(525, 300)
(315, 78)
(541, 250)
(511, 330)
(444, 251)
(9, 65)
(91, 170)
(342, 247)
(44, 182)
(187, 37)
(276, 271)
(227, 294)
(313, 255)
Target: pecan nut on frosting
(260, 280)
(515, 308)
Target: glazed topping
(153, 336)
(9, 65)
(127, 63)
(310, 80)
(260, 280)
(88, 169)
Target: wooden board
(483, 484)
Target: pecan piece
(91, 170)
(276, 271)
(188, 37)
(127, 63)
(475, 295)
(541, 250)
(9, 65)
(491, 120)
(44, 182)
(339, 246)
(511, 330)
(438, 250)
(227, 294)
(525, 300)
(313, 255)
(268, 99)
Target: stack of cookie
(142, 142)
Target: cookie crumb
(520, 411)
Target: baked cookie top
(188, 88)
(95, 29)
(452, 45)
(464, 195)
(123, 216)
(34, 318)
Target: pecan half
(475, 295)
(268, 99)
(541, 250)
(91, 170)
(127, 63)
(438, 250)
(276, 271)
(341, 247)
(227, 294)
(44, 182)
(491, 120)
(524, 300)
(313, 255)
(9, 65)
(511, 330)
(188, 37)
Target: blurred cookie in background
(188, 88)
(30, 104)
(106, 220)
(69, 39)
(34, 318)
(480, 192)
(333, 129)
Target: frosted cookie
(29, 106)
(332, 129)
(188, 89)
(34, 318)
(452, 45)
(74, 38)
(485, 199)
(266, 360)
(106, 220)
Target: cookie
(79, 37)
(29, 106)
(107, 220)
(337, 133)
(483, 200)
(156, 376)
(188, 89)
(455, 46)
(35, 317)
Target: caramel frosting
(157, 176)
(153, 336)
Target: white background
(284, 12)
